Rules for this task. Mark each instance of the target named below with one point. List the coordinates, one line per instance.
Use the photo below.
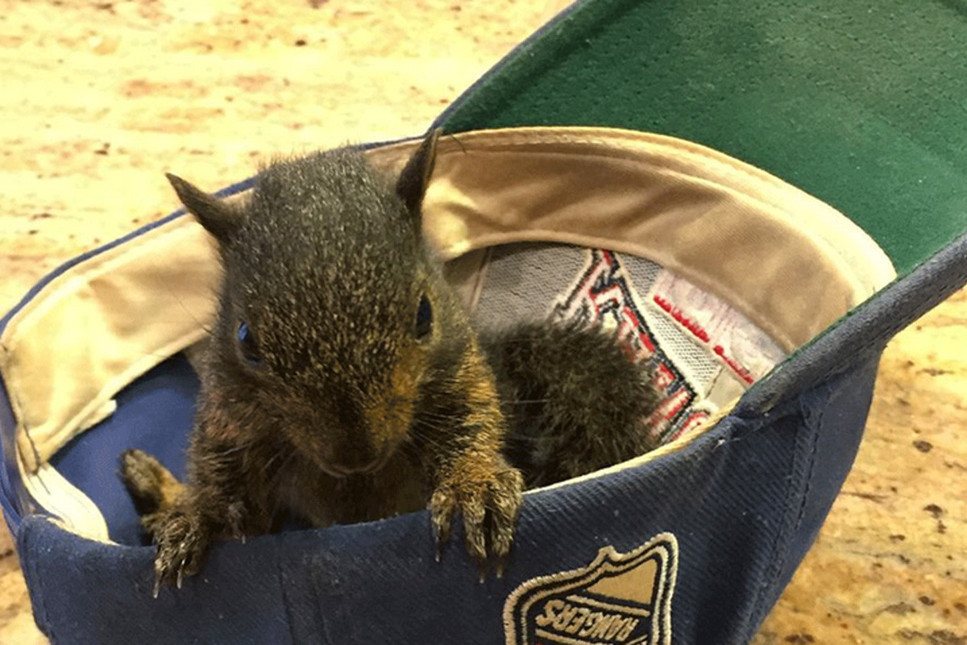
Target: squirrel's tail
(574, 399)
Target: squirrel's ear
(218, 217)
(411, 186)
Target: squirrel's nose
(359, 466)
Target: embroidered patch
(617, 598)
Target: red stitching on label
(702, 335)
(685, 321)
(738, 369)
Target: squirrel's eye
(247, 344)
(424, 318)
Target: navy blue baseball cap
(756, 195)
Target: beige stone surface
(98, 99)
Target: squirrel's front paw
(182, 541)
(153, 489)
(489, 497)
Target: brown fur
(337, 410)
(321, 397)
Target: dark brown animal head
(333, 312)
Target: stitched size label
(617, 598)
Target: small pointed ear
(217, 216)
(411, 186)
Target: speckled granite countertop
(99, 98)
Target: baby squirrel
(343, 381)
(574, 399)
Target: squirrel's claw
(168, 517)
(475, 525)
(182, 542)
(489, 505)
(443, 504)
(505, 506)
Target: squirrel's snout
(357, 462)
(344, 470)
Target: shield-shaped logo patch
(617, 598)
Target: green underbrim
(863, 105)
